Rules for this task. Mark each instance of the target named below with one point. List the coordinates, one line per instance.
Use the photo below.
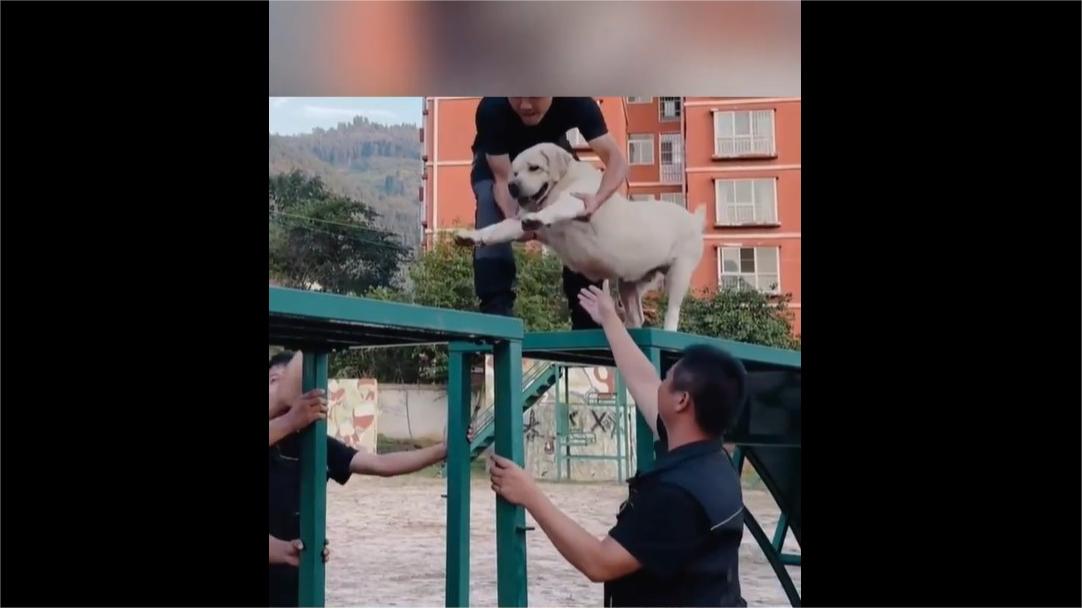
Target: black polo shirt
(501, 131)
(284, 519)
(666, 530)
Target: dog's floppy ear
(559, 162)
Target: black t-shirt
(500, 130)
(666, 530)
(284, 522)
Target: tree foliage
(443, 277)
(321, 238)
(744, 315)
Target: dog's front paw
(531, 222)
(467, 238)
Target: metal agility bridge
(767, 435)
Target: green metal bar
(458, 480)
(672, 341)
(537, 344)
(779, 532)
(510, 519)
(621, 430)
(738, 459)
(773, 557)
(337, 311)
(567, 414)
(561, 422)
(790, 559)
(313, 490)
(644, 437)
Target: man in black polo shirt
(505, 127)
(284, 479)
(677, 536)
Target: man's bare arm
(501, 175)
(615, 167)
(397, 463)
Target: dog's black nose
(513, 189)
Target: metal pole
(510, 519)
(313, 490)
(458, 478)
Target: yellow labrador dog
(633, 242)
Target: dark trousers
(494, 268)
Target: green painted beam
(773, 557)
(313, 490)
(510, 519)
(562, 344)
(675, 342)
(644, 436)
(737, 459)
(458, 480)
(349, 317)
(621, 427)
(779, 532)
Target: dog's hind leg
(629, 297)
(677, 282)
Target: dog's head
(535, 172)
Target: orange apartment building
(738, 157)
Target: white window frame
(662, 117)
(640, 99)
(773, 152)
(648, 138)
(719, 214)
(677, 153)
(676, 198)
(777, 270)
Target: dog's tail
(700, 217)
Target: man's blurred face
(530, 109)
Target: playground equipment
(767, 435)
(568, 439)
(536, 380)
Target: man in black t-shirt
(284, 478)
(505, 127)
(678, 534)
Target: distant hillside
(375, 164)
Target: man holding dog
(505, 127)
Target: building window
(668, 109)
(642, 197)
(746, 202)
(575, 138)
(676, 198)
(671, 153)
(640, 99)
(744, 133)
(749, 268)
(640, 149)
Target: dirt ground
(387, 543)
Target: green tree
(744, 315)
(443, 277)
(319, 237)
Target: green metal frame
(663, 349)
(772, 548)
(313, 490)
(564, 440)
(318, 324)
(537, 381)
